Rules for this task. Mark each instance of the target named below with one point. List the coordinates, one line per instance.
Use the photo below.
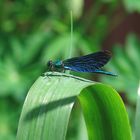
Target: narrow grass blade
(137, 121)
(48, 106)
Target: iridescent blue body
(88, 63)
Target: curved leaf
(104, 114)
(48, 106)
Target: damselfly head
(50, 63)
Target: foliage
(125, 63)
(132, 6)
(48, 105)
(137, 122)
(31, 32)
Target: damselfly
(87, 63)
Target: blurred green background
(34, 31)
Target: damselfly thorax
(56, 65)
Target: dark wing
(88, 63)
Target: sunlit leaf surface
(48, 106)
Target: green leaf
(124, 63)
(106, 111)
(48, 106)
(132, 6)
(137, 120)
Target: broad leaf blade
(104, 113)
(48, 105)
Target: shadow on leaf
(41, 109)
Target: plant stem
(71, 38)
